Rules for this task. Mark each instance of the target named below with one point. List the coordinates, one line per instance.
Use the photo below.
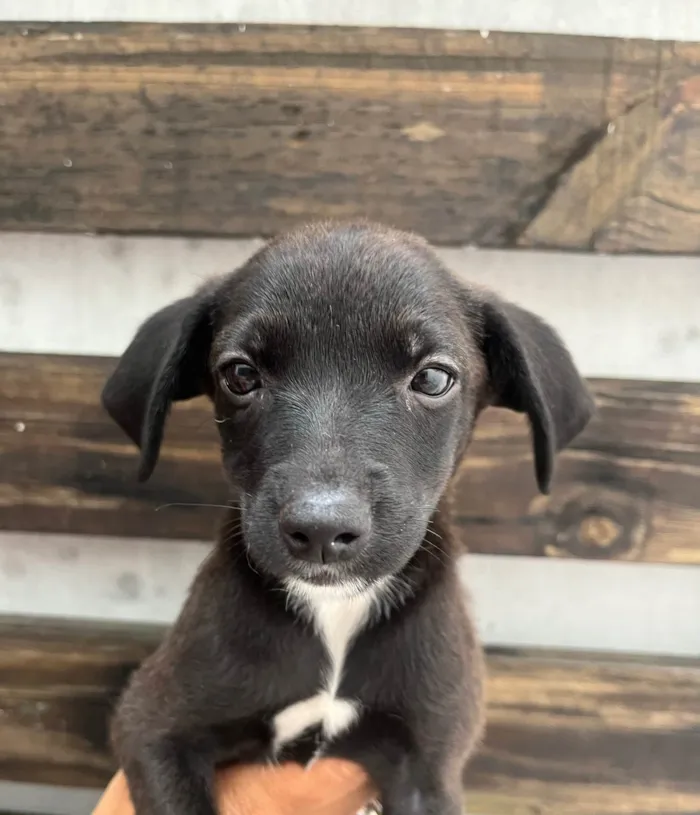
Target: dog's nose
(325, 526)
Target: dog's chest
(337, 622)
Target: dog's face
(347, 368)
(345, 379)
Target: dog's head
(347, 368)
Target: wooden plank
(655, 19)
(35, 799)
(16, 812)
(653, 328)
(67, 468)
(228, 130)
(58, 685)
(629, 488)
(639, 187)
(584, 736)
(566, 735)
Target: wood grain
(637, 188)
(629, 488)
(58, 685)
(588, 736)
(566, 735)
(68, 468)
(227, 130)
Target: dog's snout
(325, 526)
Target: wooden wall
(624, 495)
(567, 736)
(504, 140)
(627, 489)
(177, 148)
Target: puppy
(346, 368)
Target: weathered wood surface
(58, 685)
(587, 736)
(503, 140)
(629, 488)
(566, 736)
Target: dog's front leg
(407, 784)
(173, 773)
(168, 778)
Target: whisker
(231, 532)
(435, 551)
(435, 544)
(185, 504)
(434, 555)
(250, 564)
(394, 593)
(431, 528)
(435, 536)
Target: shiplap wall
(631, 317)
(623, 317)
(626, 317)
(518, 602)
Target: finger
(115, 799)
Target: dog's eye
(432, 381)
(241, 378)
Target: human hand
(328, 787)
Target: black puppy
(347, 369)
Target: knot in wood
(597, 530)
(595, 523)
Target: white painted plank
(623, 317)
(96, 578)
(626, 317)
(51, 800)
(86, 295)
(592, 605)
(652, 19)
(518, 602)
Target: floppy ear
(165, 362)
(531, 371)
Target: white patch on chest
(337, 618)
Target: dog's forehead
(352, 280)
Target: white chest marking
(337, 619)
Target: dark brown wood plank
(58, 684)
(629, 488)
(222, 131)
(584, 735)
(637, 188)
(588, 736)
(67, 468)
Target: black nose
(325, 526)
